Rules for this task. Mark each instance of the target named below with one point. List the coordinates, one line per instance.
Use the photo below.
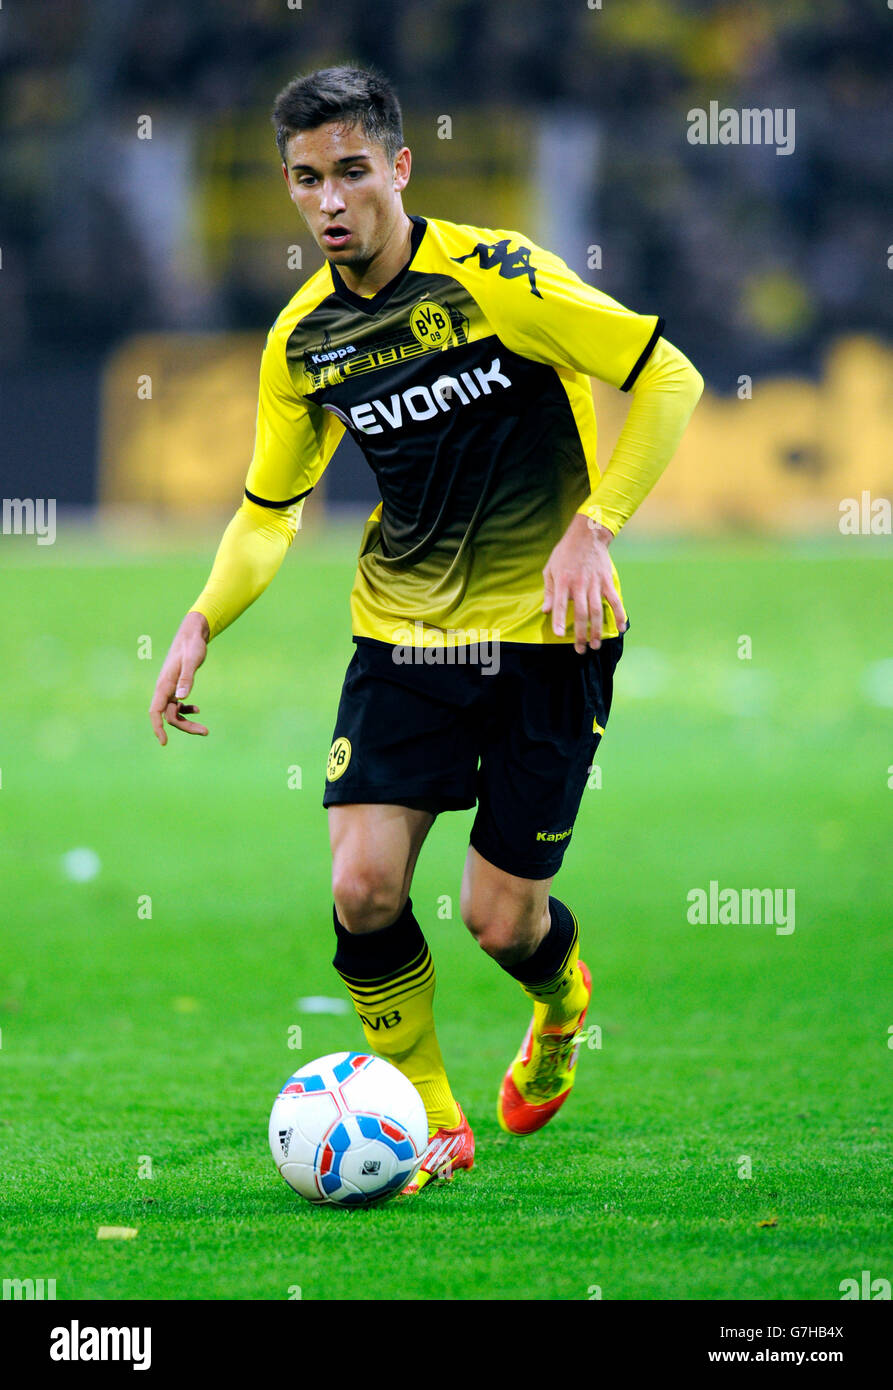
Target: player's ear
(402, 167)
(290, 186)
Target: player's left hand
(579, 571)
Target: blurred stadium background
(166, 916)
(170, 256)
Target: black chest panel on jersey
(439, 406)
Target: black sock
(554, 951)
(377, 955)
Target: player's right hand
(188, 650)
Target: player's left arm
(665, 393)
(556, 318)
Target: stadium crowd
(756, 259)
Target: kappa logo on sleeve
(511, 263)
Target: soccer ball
(349, 1129)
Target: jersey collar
(381, 297)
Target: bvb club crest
(430, 324)
(339, 757)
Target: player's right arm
(293, 444)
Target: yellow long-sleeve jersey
(465, 382)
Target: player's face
(346, 190)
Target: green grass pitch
(130, 1041)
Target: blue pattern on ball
(370, 1128)
(346, 1068)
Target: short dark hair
(345, 94)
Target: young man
(459, 359)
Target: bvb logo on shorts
(339, 757)
(430, 324)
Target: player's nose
(331, 202)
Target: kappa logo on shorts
(553, 834)
(339, 757)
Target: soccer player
(459, 360)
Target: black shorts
(516, 739)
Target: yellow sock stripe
(399, 983)
(353, 981)
(412, 982)
(395, 981)
(378, 1002)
